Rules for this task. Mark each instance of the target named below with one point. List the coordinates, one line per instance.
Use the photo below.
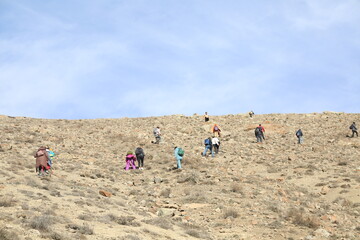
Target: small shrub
(84, 229)
(130, 237)
(160, 222)
(298, 217)
(6, 235)
(166, 193)
(236, 188)
(230, 213)
(41, 223)
(6, 202)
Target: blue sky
(77, 59)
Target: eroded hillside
(275, 190)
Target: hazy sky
(134, 58)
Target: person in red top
(262, 131)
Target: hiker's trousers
(128, 164)
(208, 147)
(178, 160)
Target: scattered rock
(105, 193)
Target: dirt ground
(275, 190)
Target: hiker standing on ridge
(215, 144)
(299, 135)
(157, 135)
(251, 113)
(206, 116)
(179, 154)
(353, 129)
(216, 129)
(208, 146)
(139, 152)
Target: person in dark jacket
(299, 135)
(258, 134)
(140, 155)
(354, 130)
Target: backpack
(257, 131)
(139, 151)
(207, 142)
(40, 153)
(181, 152)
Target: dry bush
(130, 237)
(7, 202)
(230, 213)
(123, 220)
(160, 222)
(237, 188)
(192, 177)
(165, 193)
(41, 223)
(196, 197)
(85, 217)
(298, 217)
(343, 202)
(84, 229)
(6, 235)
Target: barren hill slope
(275, 190)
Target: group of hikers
(44, 160)
(44, 155)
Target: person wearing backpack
(179, 154)
(42, 159)
(216, 129)
(130, 160)
(299, 135)
(157, 135)
(258, 134)
(140, 155)
(208, 146)
(354, 130)
(215, 144)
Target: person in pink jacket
(130, 160)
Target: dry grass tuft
(41, 223)
(298, 217)
(230, 213)
(6, 235)
(7, 202)
(160, 222)
(84, 229)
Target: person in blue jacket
(178, 152)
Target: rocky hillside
(275, 190)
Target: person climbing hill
(208, 146)
(216, 129)
(215, 145)
(354, 130)
(299, 135)
(42, 159)
(179, 154)
(157, 135)
(258, 134)
(130, 160)
(140, 155)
